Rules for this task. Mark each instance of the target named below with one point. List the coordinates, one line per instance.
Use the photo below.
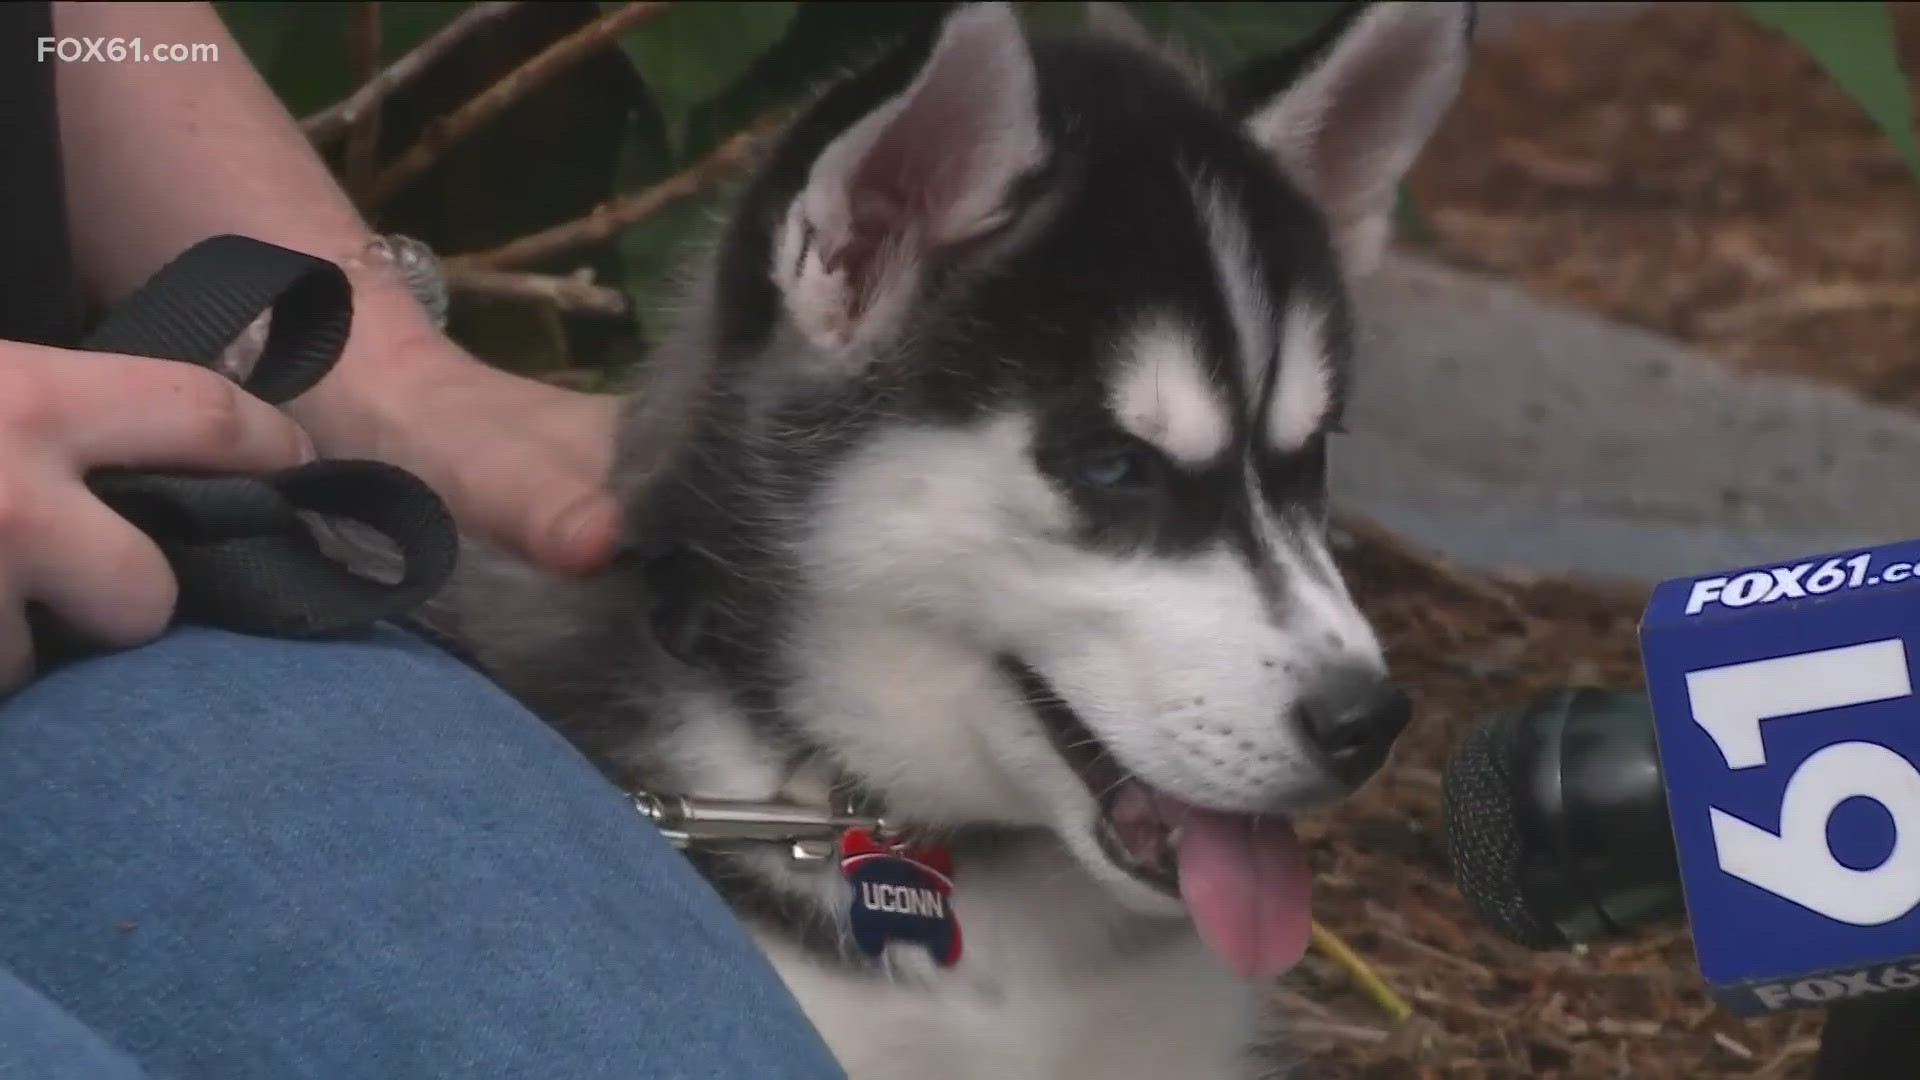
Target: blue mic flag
(1789, 732)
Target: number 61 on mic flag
(1789, 733)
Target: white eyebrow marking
(1164, 396)
(1303, 390)
(1299, 394)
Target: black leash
(244, 558)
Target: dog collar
(898, 892)
(812, 834)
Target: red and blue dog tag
(900, 894)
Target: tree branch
(449, 130)
(363, 133)
(337, 119)
(610, 218)
(571, 295)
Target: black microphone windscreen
(1485, 839)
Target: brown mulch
(1687, 170)
(1684, 170)
(1465, 645)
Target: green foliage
(704, 69)
(654, 253)
(1855, 44)
(691, 52)
(305, 51)
(1224, 35)
(1053, 18)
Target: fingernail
(304, 447)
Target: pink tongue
(1247, 886)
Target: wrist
(395, 345)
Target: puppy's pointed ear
(935, 166)
(1350, 127)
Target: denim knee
(357, 859)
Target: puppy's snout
(1352, 716)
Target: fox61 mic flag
(1789, 733)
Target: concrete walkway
(1509, 432)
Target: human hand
(519, 462)
(65, 413)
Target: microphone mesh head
(1485, 841)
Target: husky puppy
(985, 480)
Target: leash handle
(243, 555)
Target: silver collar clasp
(812, 833)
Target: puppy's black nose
(1352, 717)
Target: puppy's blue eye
(1112, 468)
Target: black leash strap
(244, 557)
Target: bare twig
(1295, 1002)
(1611, 1028)
(1362, 973)
(1334, 1029)
(1459, 1005)
(535, 72)
(610, 218)
(337, 119)
(1478, 972)
(363, 134)
(574, 295)
(1733, 1046)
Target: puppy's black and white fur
(986, 474)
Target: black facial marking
(1162, 507)
(1029, 320)
(1295, 478)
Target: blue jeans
(225, 858)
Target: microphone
(1556, 821)
(1764, 786)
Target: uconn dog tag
(900, 894)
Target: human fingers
(101, 409)
(103, 579)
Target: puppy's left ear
(935, 166)
(1349, 128)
